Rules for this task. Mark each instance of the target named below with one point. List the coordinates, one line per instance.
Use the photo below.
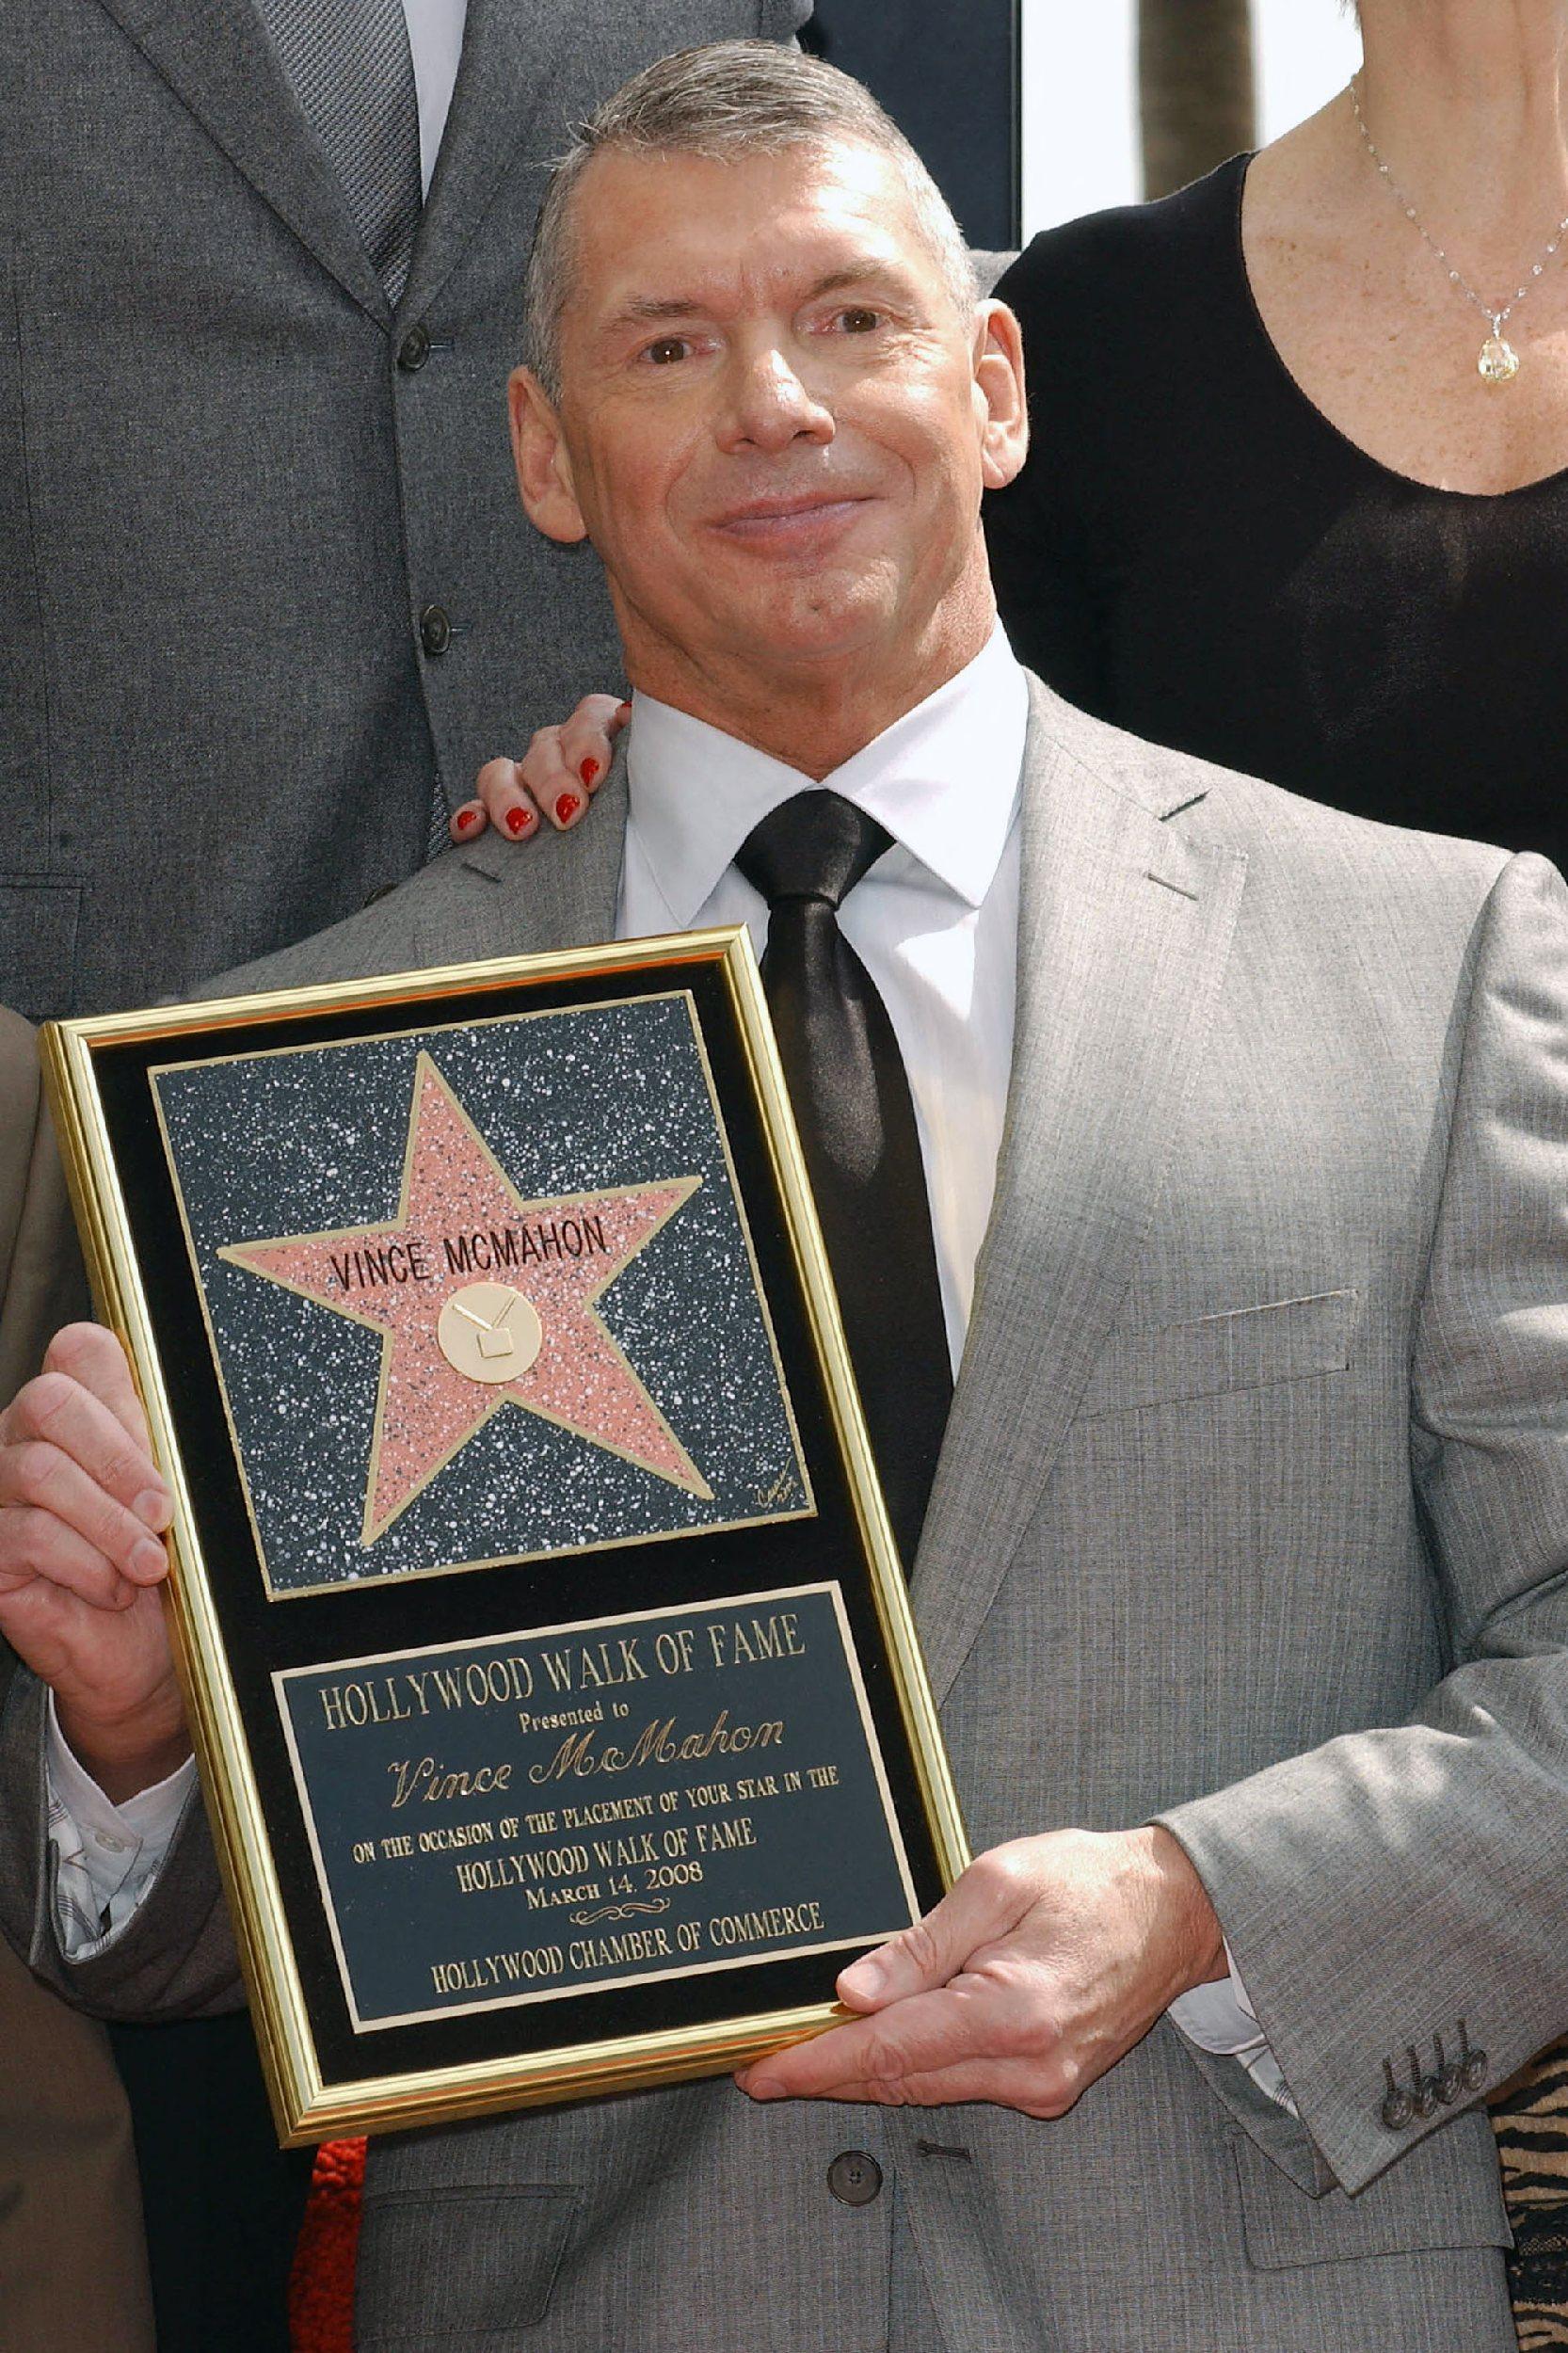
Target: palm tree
(1195, 87)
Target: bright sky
(1079, 126)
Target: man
(264, 577)
(268, 603)
(1276, 1218)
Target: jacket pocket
(458, 2263)
(1445, 2194)
(1286, 1340)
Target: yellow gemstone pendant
(1499, 362)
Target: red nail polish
(466, 820)
(625, 712)
(566, 807)
(519, 820)
(588, 771)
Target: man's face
(775, 422)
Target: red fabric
(321, 2286)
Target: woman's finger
(505, 801)
(587, 744)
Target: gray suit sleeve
(175, 1959)
(1394, 1882)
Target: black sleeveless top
(1193, 552)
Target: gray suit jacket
(1253, 1516)
(230, 483)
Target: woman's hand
(553, 782)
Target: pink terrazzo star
(460, 1222)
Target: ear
(543, 464)
(1001, 401)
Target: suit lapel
(217, 59)
(514, 52)
(215, 56)
(1124, 932)
(1123, 935)
(558, 892)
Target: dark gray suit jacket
(1253, 1516)
(231, 482)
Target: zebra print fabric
(1530, 2119)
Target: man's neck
(813, 716)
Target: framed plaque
(548, 1657)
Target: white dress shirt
(935, 922)
(435, 44)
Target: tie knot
(816, 846)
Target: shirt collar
(944, 779)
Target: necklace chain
(1487, 310)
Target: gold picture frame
(259, 1627)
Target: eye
(667, 350)
(860, 320)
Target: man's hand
(1050, 1958)
(555, 780)
(80, 1509)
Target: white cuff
(106, 1855)
(1220, 2019)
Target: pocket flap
(1445, 2193)
(1286, 1339)
(457, 2262)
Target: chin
(805, 625)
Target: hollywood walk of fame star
(459, 1214)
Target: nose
(770, 407)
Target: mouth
(788, 522)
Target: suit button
(854, 2178)
(1472, 2064)
(435, 630)
(1449, 2082)
(1398, 2107)
(1397, 2110)
(413, 351)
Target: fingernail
(625, 710)
(519, 820)
(762, 2087)
(148, 1560)
(567, 808)
(466, 820)
(864, 1977)
(152, 1509)
(588, 771)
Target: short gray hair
(732, 98)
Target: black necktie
(857, 1121)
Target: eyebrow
(650, 309)
(643, 309)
